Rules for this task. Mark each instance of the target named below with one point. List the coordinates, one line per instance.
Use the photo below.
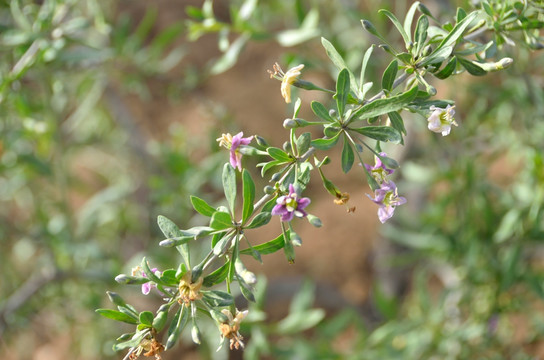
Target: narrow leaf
(221, 220)
(387, 105)
(202, 206)
(278, 154)
(342, 90)
(260, 220)
(397, 24)
(389, 75)
(177, 325)
(337, 60)
(471, 67)
(325, 144)
(347, 156)
(410, 18)
(248, 194)
(448, 69)
(380, 133)
(229, 186)
(321, 111)
(268, 247)
(117, 316)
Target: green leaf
(133, 342)
(216, 298)
(448, 70)
(303, 142)
(229, 186)
(387, 105)
(300, 321)
(249, 195)
(278, 154)
(456, 32)
(217, 276)
(342, 90)
(347, 156)
(306, 31)
(169, 278)
(397, 24)
(387, 306)
(366, 57)
(176, 327)
(170, 230)
(268, 165)
(202, 206)
(421, 33)
(268, 247)
(150, 274)
(437, 56)
(410, 18)
(471, 67)
(230, 57)
(380, 133)
(146, 318)
(117, 316)
(339, 62)
(321, 111)
(389, 75)
(259, 220)
(325, 144)
(461, 14)
(397, 122)
(160, 319)
(221, 221)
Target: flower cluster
(233, 143)
(441, 120)
(290, 205)
(386, 195)
(188, 290)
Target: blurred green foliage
(80, 184)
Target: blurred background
(109, 111)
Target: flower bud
(424, 10)
(269, 190)
(427, 50)
(409, 46)
(332, 113)
(290, 124)
(368, 26)
(287, 146)
(261, 141)
(276, 176)
(130, 280)
(295, 239)
(195, 334)
(116, 299)
(314, 220)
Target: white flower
(441, 120)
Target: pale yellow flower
(288, 79)
(230, 329)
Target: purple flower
(146, 287)
(387, 197)
(233, 143)
(290, 205)
(379, 171)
